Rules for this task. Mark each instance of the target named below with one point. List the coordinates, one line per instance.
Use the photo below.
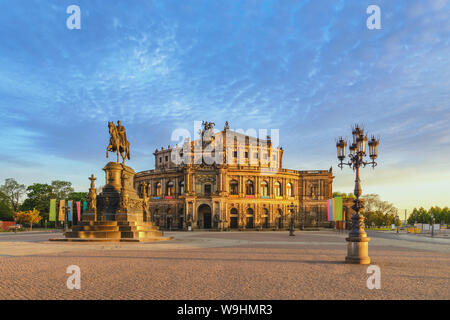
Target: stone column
(257, 186)
(194, 215)
(320, 189)
(241, 186)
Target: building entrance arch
(234, 219)
(204, 219)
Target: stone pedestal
(88, 216)
(119, 212)
(358, 242)
(110, 206)
(358, 251)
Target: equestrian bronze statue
(118, 141)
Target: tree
(38, 197)
(14, 191)
(61, 189)
(78, 196)
(6, 212)
(343, 195)
(378, 212)
(30, 216)
(424, 216)
(372, 202)
(445, 215)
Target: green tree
(441, 215)
(424, 216)
(437, 213)
(38, 197)
(413, 217)
(378, 212)
(78, 196)
(445, 215)
(6, 212)
(14, 191)
(61, 189)
(343, 195)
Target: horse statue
(118, 141)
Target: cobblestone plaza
(223, 265)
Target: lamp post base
(358, 250)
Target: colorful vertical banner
(52, 213)
(78, 209)
(84, 206)
(330, 210)
(62, 203)
(335, 209)
(69, 204)
(338, 208)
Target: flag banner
(62, 203)
(52, 213)
(332, 210)
(78, 210)
(69, 204)
(328, 210)
(337, 207)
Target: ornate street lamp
(292, 209)
(358, 242)
(66, 219)
(432, 225)
(397, 221)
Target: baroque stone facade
(244, 187)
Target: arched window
(182, 187)
(170, 188)
(249, 188)
(233, 211)
(264, 189)
(158, 189)
(250, 211)
(234, 187)
(277, 189)
(289, 190)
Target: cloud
(308, 68)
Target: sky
(311, 69)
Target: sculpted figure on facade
(124, 201)
(145, 201)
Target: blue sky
(308, 68)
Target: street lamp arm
(342, 164)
